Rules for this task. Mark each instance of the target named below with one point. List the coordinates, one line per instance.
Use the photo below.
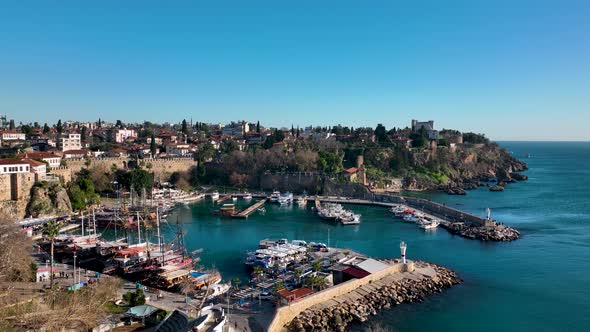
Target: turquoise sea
(539, 283)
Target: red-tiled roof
(33, 163)
(356, 272)
(37, 155)
(351, 170)
(295, 293)
(12, 161)
(76, 152)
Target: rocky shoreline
(499, 233)
(406, 290)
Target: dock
(223, 198)
(249, 210)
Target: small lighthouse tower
(402, 248)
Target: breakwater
(368, 299)
(455, 221)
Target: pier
(249, 210)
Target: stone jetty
(368, 300)
(494, 232)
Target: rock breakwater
(359, 305)
(498, 232)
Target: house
(350, 174)
(51, 159)
(11, 135)
(167, 138)
(70, 141)
(287, 296)
(14, 166)
(158, 140)
(177, 149)
(121, 135)
(72, 154)
(38, 168)
(428, 126)
(236, 129)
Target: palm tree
(237, 282)
(297, 274)
(316, 266)
(257, 271)
(50, 231)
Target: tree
(83, 135)
(99, 123)
(36, 125)
(11, 125)
(134, 298)
(278, 286)
(236, 282)
(316, 266)
(46, 129)
(51, 231)
(153, 148)
(119, 124)
(184, 127)
(381, 133)
(257, 271)
(187, 287)
(59, 127)
(258, 127)
(292, 131)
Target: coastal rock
(401, 291)
(48, 199)
(519, 176)
(497, 188)
(495, 232)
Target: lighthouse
(402, 248)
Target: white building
(50, 158)
(14, 166)
(177, 149)
(67, 142)
(121, 135)
(11, 135)
(38, 168)
(236, 129)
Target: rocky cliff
(48, 199)
(465, 168)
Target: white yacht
(428, 224)
(248, 197)
(274, 197)
(215, 195)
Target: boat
(248, 197)
(285, 198)
(217, 290)
(410, 217)
(261, 210)
(214, 195)
(274, 197)
(302, 201)
(349, 218)
(428, 224)
(234, 198)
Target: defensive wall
(285, 314)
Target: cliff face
(465, 168)
(48, 199)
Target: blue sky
(510, 69)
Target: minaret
(402, 248)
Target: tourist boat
(301, 201)
(248, 197)
(234, 198)
(349, 218)
(428, 224)
(217, 290)
(274, 197)
(204, 279)
(330, 212)
(410, 217)
(215, 195)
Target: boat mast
(158, 228)
(94, 221)
(82, 214)
(138, 229)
